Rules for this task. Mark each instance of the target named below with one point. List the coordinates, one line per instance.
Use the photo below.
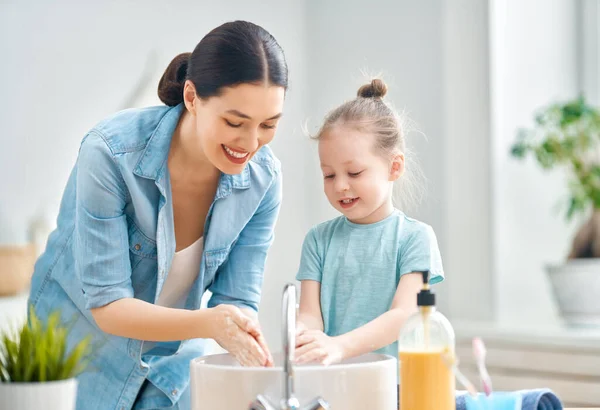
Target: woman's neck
(187, 161)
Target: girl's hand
(300, 328)
(240, 335)
(316, 346)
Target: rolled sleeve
(239, 280)
(101, 234)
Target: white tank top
(184, 271)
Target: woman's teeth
(234, 153)
(347, 201)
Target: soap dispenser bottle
(426, 380)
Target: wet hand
(300, 328)
(240, 335)
(316, 346)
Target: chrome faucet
(289, 401)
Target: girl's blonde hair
(368, 113)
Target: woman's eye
(329, 176)
(355, 174)
(232, 125)
(267, 126)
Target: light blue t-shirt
(359, 267)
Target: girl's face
(358, 181)
(232, 127)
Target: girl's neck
(379, 214)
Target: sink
(218, 382)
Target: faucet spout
(289, 344)
(289, 401)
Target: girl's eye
(329, 176)
(355, 174)
(267, 126)
(232, 125)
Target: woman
(163, 204)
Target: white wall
(534, 62)
(466, 171)
(66, 64)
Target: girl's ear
(397, 168)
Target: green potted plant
(36, 369)
(567, 136)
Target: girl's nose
(341, 185)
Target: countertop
(584, 339)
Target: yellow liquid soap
(426, 382)
(426, 333)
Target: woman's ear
(189, 97)
(397, 168)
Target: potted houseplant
(567, 135)
(36, 370)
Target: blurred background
(468, 73)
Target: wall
(532, 65)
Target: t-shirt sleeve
(311, 266)
(421, 252)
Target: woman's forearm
(136, 319)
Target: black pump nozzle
(425, 275)
(425, 297)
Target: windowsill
(530, 334)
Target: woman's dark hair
(234, 53)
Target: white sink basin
(218, 382)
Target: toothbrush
(451, 361)
(479, 353)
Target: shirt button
(174, 392)
(137, 247)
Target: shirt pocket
(213, 260)
(144, 267)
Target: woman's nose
(252, 141)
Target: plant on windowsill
(567, 136)
(36, 369)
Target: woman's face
(232, 127)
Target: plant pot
(57, 395)
(576, 286)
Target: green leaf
(39, 352)
(567, 135)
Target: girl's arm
(384, 330)
(310, 317)
(380, 332)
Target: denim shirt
(115, 239)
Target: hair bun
(375, 89)
(170, 86)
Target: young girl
(359, 271)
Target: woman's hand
(316, 346)
(240, 335)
